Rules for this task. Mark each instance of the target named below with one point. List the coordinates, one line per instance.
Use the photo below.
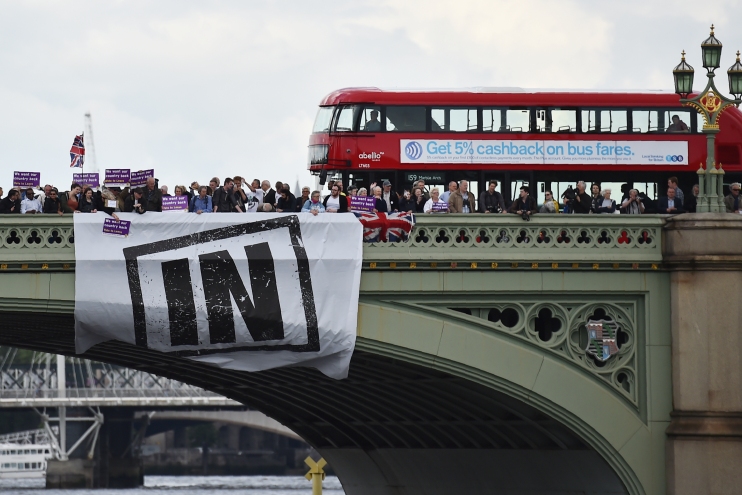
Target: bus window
(517, 120)
(683, 120)
(589, 120)
(454, 119)
(613, 121)
(323, 119)
(644, 120)
(370, 119)
(493, 120)
(556, 120)
(405, 119)
(346, 118)
(604, 121)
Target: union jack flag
(386, 227)
(77, 152)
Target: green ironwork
(710, 103)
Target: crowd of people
(236, 194)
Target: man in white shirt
(255, 195)
(452, 186)
(30, 204)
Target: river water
(189, 485)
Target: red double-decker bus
(547, 139)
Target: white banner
(237, 290)
(544, 152)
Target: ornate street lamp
(711, 52)
(683, 75)
(735, 79)
(710, 103)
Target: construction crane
(89, 146)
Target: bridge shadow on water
(392, 427)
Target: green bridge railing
(437, 242)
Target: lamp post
(710, 103)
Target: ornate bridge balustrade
(498, 241)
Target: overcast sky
(195, 89)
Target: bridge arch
(414, 406)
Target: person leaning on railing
(670, 204)
(525, 205)
(202, 203)
(11, 203)
(732, 201)
(462, 200)
(30, 204)
(313, 204)
(52, 203)
(607, 205)
(550, 204)
(434, 200)
(491, 201)
(87, 202)
(632, 205)
(582, 203)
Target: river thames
(187, 485)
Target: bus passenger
(435, 200)
(373, 125)
(677, 125)
(550, 204)
(490, 201)
(633, 204)
(525, 205)
(607, 205)
(462, 200)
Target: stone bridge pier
(704, 440)
(115, 463)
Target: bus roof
(500, 95)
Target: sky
(196, 89)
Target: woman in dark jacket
(52, 203)
(416, 204)
(87, 202)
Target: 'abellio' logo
(413, 150)
(674, 158)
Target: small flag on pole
(77, 152)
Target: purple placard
(363, 203)
(116, 228)
(117, 177)
(26, 179)
(91, 179)
(440, 207)
(139, 178)
(175, 203)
